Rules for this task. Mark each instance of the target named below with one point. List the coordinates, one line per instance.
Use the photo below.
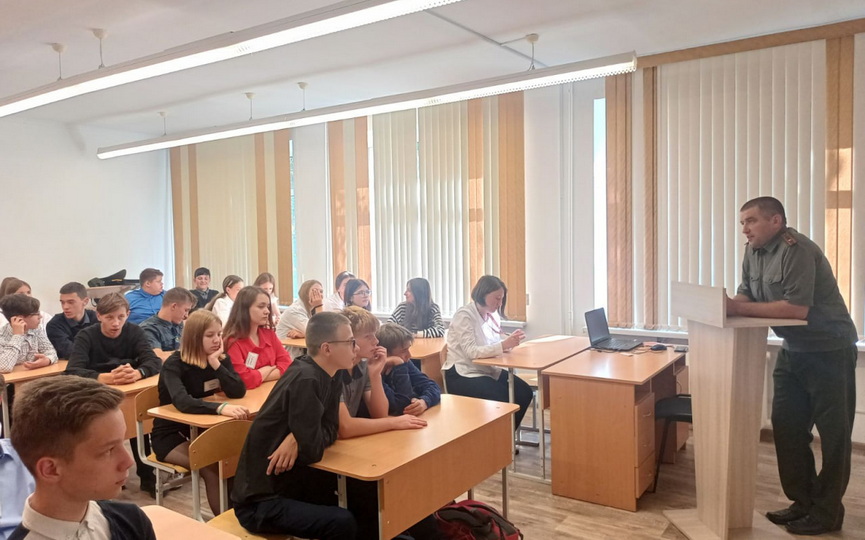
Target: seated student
(23, 341)
(116, 351)
(335, 301)
(13, 285)
(145, 301)
(476, 332)
(364, 383)
(275, 489)
(199, 369)
(69, 433)
(63, 327)
(202, 291)
(358, 293)
(222, 302)
(255, 351)
(293, 322)
(419, 313)
(163, 329)
(408, 389)
(17, 484)
(267, 282)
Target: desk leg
(542, 438)
(196, 491)
(341, 493)
(505, 495)
(513, 419)
(5, 399)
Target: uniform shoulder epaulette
(789, 238)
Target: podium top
(708, 305)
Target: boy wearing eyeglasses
(275, 489)
(23, 341)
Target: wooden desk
(428, 351)
(169, 525)
(20, 374)
(602, 411)
(253, 401)
(466, 440)
(128, 404)
(294, 342)
(537, 355)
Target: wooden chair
(222, 444)
(148, 399)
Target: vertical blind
(729, 129)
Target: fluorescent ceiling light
(577, 71)
(327, 20)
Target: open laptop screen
(596, 324)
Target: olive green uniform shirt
(793, 268)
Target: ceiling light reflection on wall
(577, 71)
(327, 20)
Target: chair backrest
(221, 443)
(443, 357)
(144, 400)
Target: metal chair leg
(667, 423)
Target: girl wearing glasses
(256, 353)
(419, 314)
(358, 293)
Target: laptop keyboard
(614, 343)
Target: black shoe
(808, 526)
(148, 487)
(782, 517)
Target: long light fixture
(327, 20)
(577, 71)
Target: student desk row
(466, 441)
(427, 350)
(537, 355)
(169, 525)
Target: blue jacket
(143, 305)
(405, 382)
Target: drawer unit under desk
(644, 425)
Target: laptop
(599, 333)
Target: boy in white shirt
(23, 340)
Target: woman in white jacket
(222, 302)
(292, 322)
(476, 332)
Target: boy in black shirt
(116, 352)
(275, 489)
(63, 327)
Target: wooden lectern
(727, 368)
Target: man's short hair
(768, 206)
(361, 320)
(391, 336)
(51, 414)
(149, 274)
(342, 276)
(202, 272)
(321, 328)
(178, 295)
(111, 302)
(18, 305)
(73, 287)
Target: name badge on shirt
(251, 360)
(212, 384)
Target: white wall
(66, 215)
(313, 205)
(559, 218)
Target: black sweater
(94, 353)
(183, 385)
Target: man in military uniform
(785, 275)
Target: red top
(270, 353)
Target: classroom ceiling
(415, 52)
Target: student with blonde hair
(296, 316)
(198, 370)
